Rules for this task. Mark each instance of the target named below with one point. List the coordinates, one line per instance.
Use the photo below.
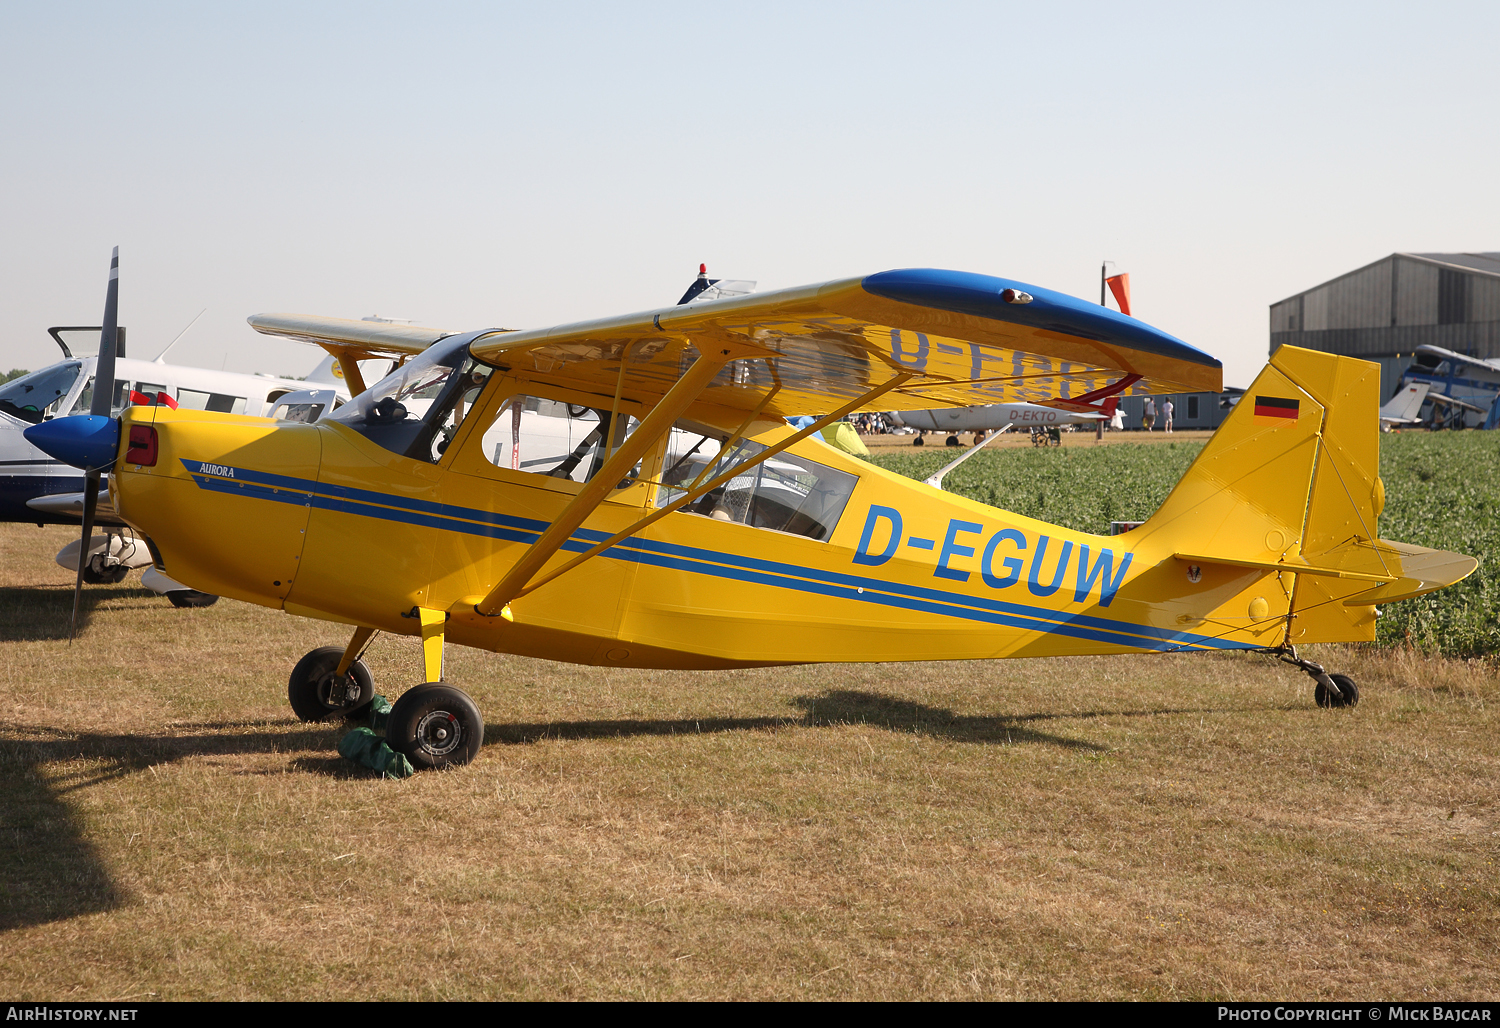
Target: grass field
(1140, 827)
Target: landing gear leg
(435, 725)
(1331, 690)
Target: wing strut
(697, 491)
(350, 367)
(633, 448)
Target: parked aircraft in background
(1459, 382)
(1405, 406)
(36, 488)
(996, 416)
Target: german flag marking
(1275, 407)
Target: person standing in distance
(1148, 415)
(1166, 414)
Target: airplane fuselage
(991, 417)
(288, 515)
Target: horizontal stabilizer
(1422, 571)
(1296, 567)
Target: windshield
(414, 410)
(38, 395)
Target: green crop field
(1442, 490)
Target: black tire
(435, 726)
(917, 441)
(310, 690)
(1346, 686)
(953, 441)
(110, 576)
(193, 598)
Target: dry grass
(1154, 827)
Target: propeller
(89, 441)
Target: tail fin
(1291, 484)
(1403, 407)
(1107, 408)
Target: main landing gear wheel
(314, 693)
(1346, 686)
(435, 726)
(193, 598)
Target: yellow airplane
(627, 493)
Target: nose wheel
(436, 726)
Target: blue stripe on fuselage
(426, 513)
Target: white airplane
(997, 416)
(1464, 382)
(35, 488)
(1403, 408)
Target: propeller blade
(103, 400)
(90, 501)
(104, 368)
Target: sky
(523, 165)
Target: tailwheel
(315, 693)
(436, 726)
(1349, 692)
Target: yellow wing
(963, 339)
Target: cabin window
(1192, 408)
(193, 399)
(786, 493)
(543, 436)
(37, 396)
(123, 389)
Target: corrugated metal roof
(1487, 263)
(1484, 263)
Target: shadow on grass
(34, 613)
(49, 871)
(839, 707)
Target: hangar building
(1384, 311)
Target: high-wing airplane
(1465, 383)
(739, 540)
